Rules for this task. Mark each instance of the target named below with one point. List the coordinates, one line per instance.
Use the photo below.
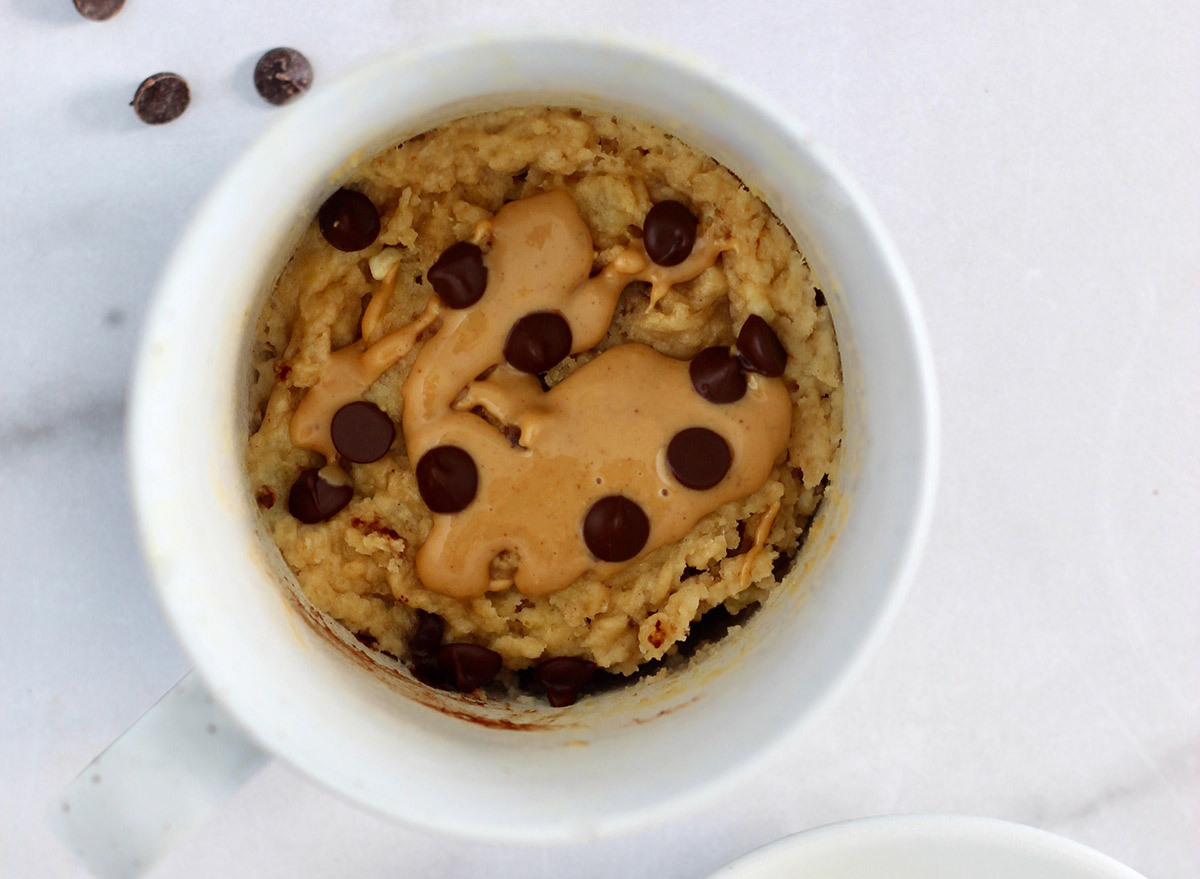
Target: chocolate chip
(161, 98)
(698, 457)
(349, 220)
(99, 10)
(615, 529)
(459, 276)
(669, 233)
(315, 499)
(717, 375)
(564, 677)
(538, 341)
(281, 74)
(447, 479)
(759, 349)
(818, 296)
(362, 432)
(427, 636)
(265, 497)
(428, 672)
(469, 666)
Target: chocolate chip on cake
(698, 457)
(469, 666)
(669, 233)
(447, 479)
(282, 74)
(362, 432)
(459, 276)
(431, 674)
(427, 636)
(314, 499)
(717, 376)
(615, 529)
(564, 677)
(349, 220)
(538, 342)
(161, 98)
(759, 349)
(99, 10)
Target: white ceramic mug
(613, 761)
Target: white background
(1039, 166)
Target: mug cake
(536, 391)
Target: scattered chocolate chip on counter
(161, 98)
(99, 10)
(282, 74)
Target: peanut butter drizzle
(761, 532)
(350, 371)
(603, 430)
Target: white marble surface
(1038, 166)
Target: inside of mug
(661, 687)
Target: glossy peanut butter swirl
(602, 431)
(350, 371)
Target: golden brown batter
(362, 566)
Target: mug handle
(156, 783)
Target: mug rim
(158, 329)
